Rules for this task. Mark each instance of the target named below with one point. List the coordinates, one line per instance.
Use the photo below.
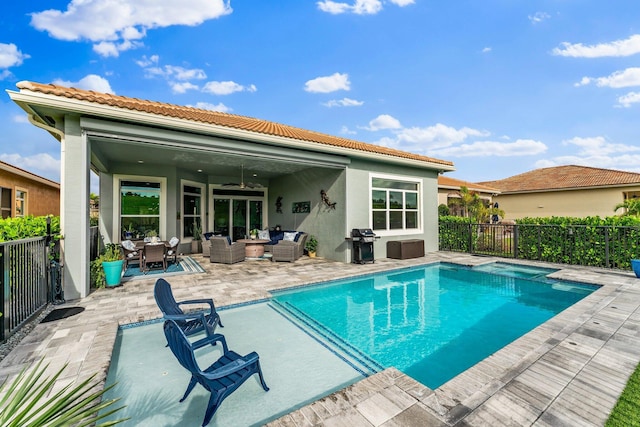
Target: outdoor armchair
(225, 252)
(287, 250)
(191, 322)
(222, 378)
(172, 250)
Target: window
(5, 202)
(141, 206)
(191, 206)
(21, 203)
(394, 204)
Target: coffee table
(254, 248)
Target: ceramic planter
(112, 272)
(635, 265)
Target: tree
(631, 207)
(469, 202)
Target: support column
(74, 212)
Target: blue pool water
(431, 322)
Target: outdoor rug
(187, 265)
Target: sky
(498, 87)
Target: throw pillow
(129, 245)
(208, 235)
(264, 235)
(229, 239)
(289, 236)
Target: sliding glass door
(237, 212)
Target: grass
(627, 411)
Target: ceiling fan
(242, 184)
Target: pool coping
(569, 370)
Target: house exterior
(23, 193)
(573, 191)
(165, 167)
(449, 188)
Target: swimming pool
(431, 322)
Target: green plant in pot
(111, 261)
(311, 246)
(254, 233)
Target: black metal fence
(597, 246)
(24, 287)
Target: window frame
(24, 200)
(117, 224)
(419, 208)
(6, 212)
(202, 195)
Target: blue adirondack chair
(222, 378)
(190, 322)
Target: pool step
(351, 355)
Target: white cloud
(438, 135)
(20, 118)
(212, 107)
(183, 87)
(41, 164)
(227, 88)
(89, 82)
(359, 7)
(384, 121)
(520, 147)
(10, 55)
(332, 83)
(346, 131)
(538, 17)
(171, 72)
(629, 99)
(626, 47)
(624, 78)
(344, 102)
(122, 24)
(146, 62)
(598, 152)
(598, 145)
(486, 49)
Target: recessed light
(140, 161)
(199, 170)
(255, 175)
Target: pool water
(431, 322)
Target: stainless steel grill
(362, 239)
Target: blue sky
(499, 87)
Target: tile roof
(220, 119)
(564, 178)
(448, 182)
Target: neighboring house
(573, 191)
(449, 189)
(164, 167)
(23, 193)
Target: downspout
(57, 133)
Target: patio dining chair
(222, 378)
(131, 253)
(153, 253)
(190, 322)
(172, 250)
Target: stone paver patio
(568, 371)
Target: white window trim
(24, 199)
(116, 236)
(402, 232)
(203, 201)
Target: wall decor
(301, 207)
(325, 199)
(279, 204)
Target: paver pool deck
(568, 371)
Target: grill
(362, 239)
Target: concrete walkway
(568, 371)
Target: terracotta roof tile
(562, 178)
(447, 181)
(220, 119)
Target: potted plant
(153, 235)
(112, 260)
(196, 242)
(311, 246)
(253, 233)
(128, 232)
